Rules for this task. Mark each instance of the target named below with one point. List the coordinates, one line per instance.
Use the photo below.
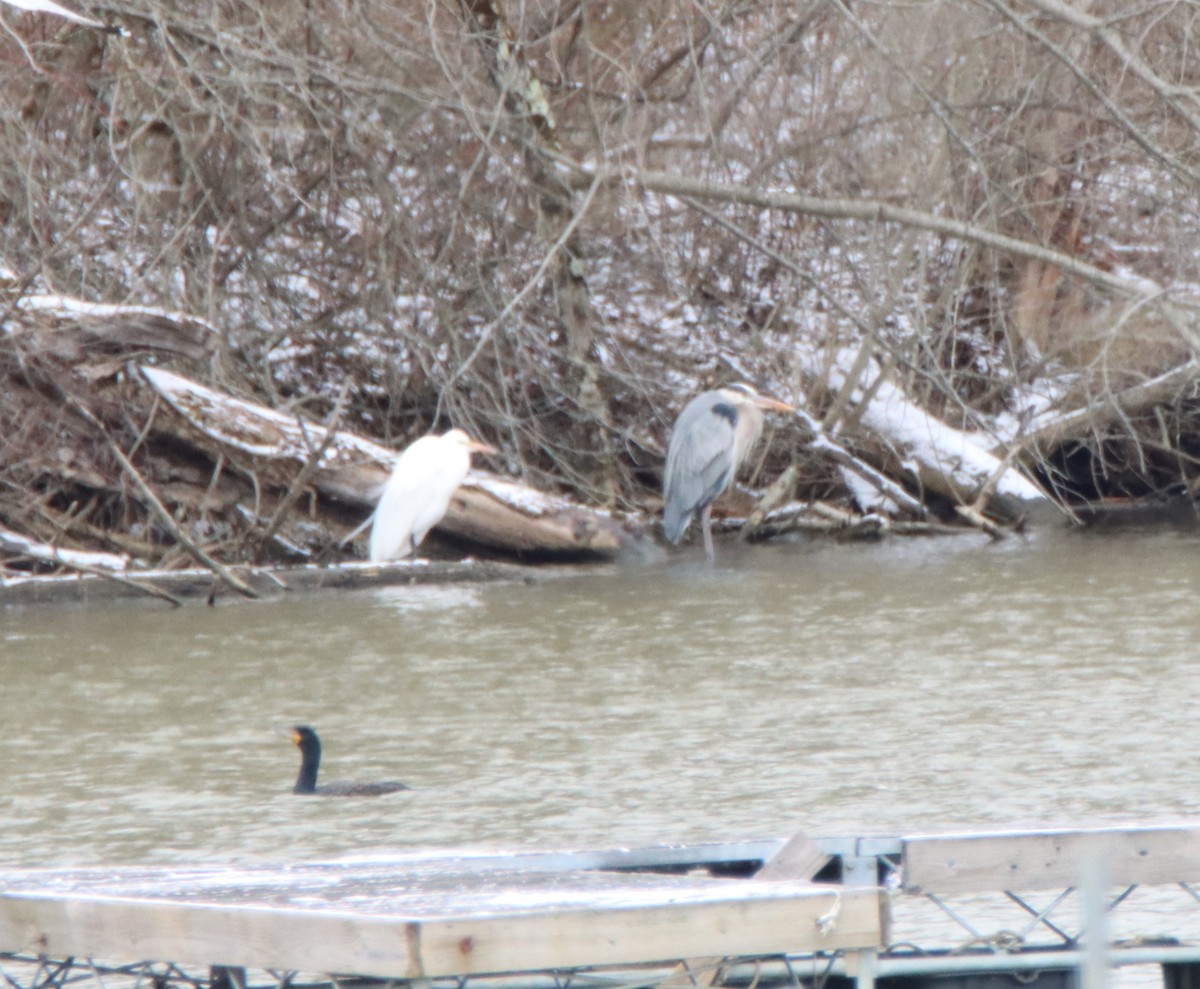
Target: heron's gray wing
(699, 460)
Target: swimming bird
(418, 493)
(306, 740)
(713, 435)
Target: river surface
(903, 686)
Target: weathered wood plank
(645, 926)
(742, 924)
(798, 858)
(1048, 859)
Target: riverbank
(225, 306)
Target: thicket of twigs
(552, 222)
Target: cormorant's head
(305, 739)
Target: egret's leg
(706, 527)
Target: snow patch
(79, 307)
(924, 441)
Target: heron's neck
(747, 432)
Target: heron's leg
(706, 527)
(412, 540)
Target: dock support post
(1094, 970)
(226, 977)
(1181, 975)
(866, 969)
(862, 870)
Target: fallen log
(1052, 429)
(944, 459)
(913, 450)
(18, 545)
(177, 586)
(487, 509)
(101, 566)
(931, 455)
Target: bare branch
(1098, 28)
(161, 513)
(866, 210)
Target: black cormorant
(309, 745)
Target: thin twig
(1127, 58)
(300, 482)
(160, 511)
(1143, 140)
(530, 284)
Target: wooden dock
(556, 915)
(422, 919)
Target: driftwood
(164, 517)
(108, 449)
(773, 497)
(943, 459)
(819, 518)
(74, 331)
(927, 454)
(19, 545)
(1053, 429)
(857, 471)
(912, 451)
(178, 586)
(101, 566)
(487, 509)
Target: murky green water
(910, 685)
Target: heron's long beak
(766, 402)
(476, 447)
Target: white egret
(713, 435)
(418, 493)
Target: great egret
(310, 760)
(711, 438)
(418, 493)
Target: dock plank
(423, 920)
(976, 863)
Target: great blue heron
(309, 745)
(711, 438)
(418, 493)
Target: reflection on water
(909, 685)
(430, 598)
